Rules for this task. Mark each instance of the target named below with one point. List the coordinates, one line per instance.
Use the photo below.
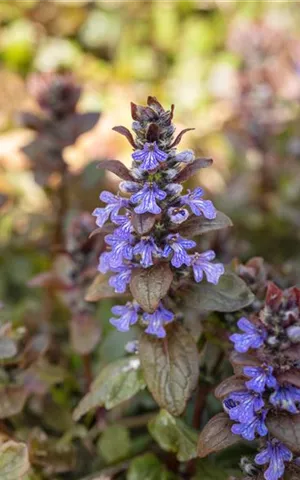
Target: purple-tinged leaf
(126, 133)
(83, 122)
(116, 167)
(179, 137)
(286, 428)
(143, 223)
(35, 348)
(192, 168)
(100, 289)
(149, 286)
(198, 225)
(170, 366)
(107, 228)
(85, 333)
(216, 435)
(152, 101)
(241, 360)
(292, 376)
(232, 384)
(30, 120)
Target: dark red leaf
(274, 296)
(216, 435)
(126, 133)
(151, 101)
(152, 132)
(29, 120)
(240, 360)
(179, 137)
(143, 223)
(116, 167)
(192, 168)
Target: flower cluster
(148, 213)
(266, 355)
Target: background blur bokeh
(232, 69)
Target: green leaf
(216, 435)
(116, 383)
(149, 286)
(12, 400)
(114, 444)
(148, 467)
(206, 470)
(229, 295)
(171, 367)
(173, 435)
(14, 461)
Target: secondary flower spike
(271, 377)
(147, 215)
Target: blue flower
(128, 314)
(120, 281)
(147, 198)
(147, 249)
(248, 430)
(178, 214)
(286, 398)
(157, 320)
(114, 204)
(201, 264)
(253, 337)
(151, 156)
(244, 405)
(276, 454)
(173, 189)
(122, 248)
(177, 246)
(198, 205)
(261, 377)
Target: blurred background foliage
(233, 71)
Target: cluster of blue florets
(250, 407)
(154, 192)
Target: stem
(62, 207)
(87, 366)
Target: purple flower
(128, 186)
(187, 156)
(128, 316)
(276, 454)
(177, 246)
(286, 398)
(157, 320)
(121, 244)
(150, 156)
(114, 204)
(244, 406)
(124, 222)
(147, 198)
(120, 281)
(248, 430)
(201, 264)
(147, 249)
(173, 189)
(261, 377)
(197, 205)
(252, 338)
(178, 214)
